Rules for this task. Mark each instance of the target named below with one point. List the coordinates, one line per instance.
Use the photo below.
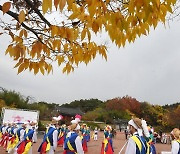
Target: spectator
(126, 133)
(175, 149)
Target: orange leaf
(95, 26)
(56, 2)
(62, 3)
(45, 6)
(83, 34)
(21, 16)
(6, 6)
(21, 67)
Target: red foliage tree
(124, 103)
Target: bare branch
(38, 12)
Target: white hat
(141, 129)
(77, 127)
(57, 118)
(26, 122)
(74, 121)
(132, 123)
(78, 117)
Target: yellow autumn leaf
(6, 6)
(45, 6)
(104, 6)
(169, 8)
(92, 10)
(102, 51)
(25, 34)
(163, 8)
(42, 70)
(56, 44)
(56, 3)
(26, 63)
(89, 35)
(62, 4)
(131, 6)
(95, 26)
(68, 68)
(70, 3)
(66, 47)
(50, 4)
(107, 1)
(60, 60)
(49, 69)
(74, 15)
(21, 33)
(21, 67)
(36, 68)
(19, 62)
(21, 16)
(54, 30)
(9, 48)
(64, 69)
(83, 34)
(70, 34)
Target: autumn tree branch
(15, 16)
(38, 12)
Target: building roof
(69, 111)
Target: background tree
(2, 104)
(85, 105)
(92, 115)
(174, 117)
(43, 31)
(123, 104)
(13, 99)
(161, 117)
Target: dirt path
(94, 147)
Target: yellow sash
(28, 145)
(0, 134)
(48, 145)
(48, 142)
(138, 143)
(70, 147)
(105, 144)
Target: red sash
(61, 140)
(84, 145)
(66, 151)
(43, 148)
(21, 146)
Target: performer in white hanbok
(137, 143)
(49, 143)
(73, 142)
(175, 146)
(26, 145)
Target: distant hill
(84, 105)
(171, 106)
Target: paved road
(94, 147)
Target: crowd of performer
(18, 138)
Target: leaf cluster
(71, 38)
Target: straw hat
(176, 133)
(138, 122)
(74, 126)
